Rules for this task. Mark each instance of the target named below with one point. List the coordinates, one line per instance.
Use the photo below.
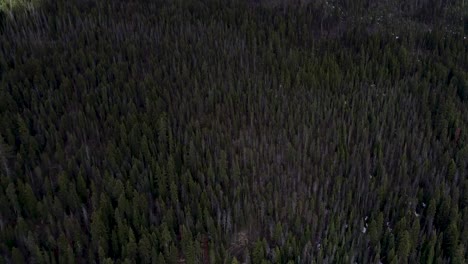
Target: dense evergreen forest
(214, 131)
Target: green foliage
(213, 131)
(403, 246)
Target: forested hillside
(233, 132)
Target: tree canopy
(234, 131)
